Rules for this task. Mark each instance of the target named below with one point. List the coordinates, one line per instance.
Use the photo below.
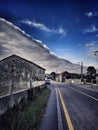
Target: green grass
(34, 111)
(29, 117)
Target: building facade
(18, 72)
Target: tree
(53, 75)
(91, 72)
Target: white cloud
(91, 14)
(64, 49)
(37, 25)
(91, 29)
(41, 26)
(2, 34)
(91, 58)
(89, 45)
(61, 30)
(13, 40)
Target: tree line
(89, 76)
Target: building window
(14, 60)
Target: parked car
(47, 81)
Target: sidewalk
(50, 120)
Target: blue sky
(68, 27)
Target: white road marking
(60, 124)
(85, 94)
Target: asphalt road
(70, 108)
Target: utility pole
(56, 75)
(81, 71)
(56, 71)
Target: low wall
(37, 83)
(9, 101)
(18, 86)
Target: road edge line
(70, 126)
(60, 124)
(79, 91)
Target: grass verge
(27, 117)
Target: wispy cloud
(91, 57)
(91, 14)
(43, 27)
(90, 29)
(91, 48)
(64, 49)
(89, 44)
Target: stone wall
(9, 101)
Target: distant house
(61, 77)
(58, 77)
(15, 70)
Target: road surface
(70, 108)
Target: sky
(67, 28)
